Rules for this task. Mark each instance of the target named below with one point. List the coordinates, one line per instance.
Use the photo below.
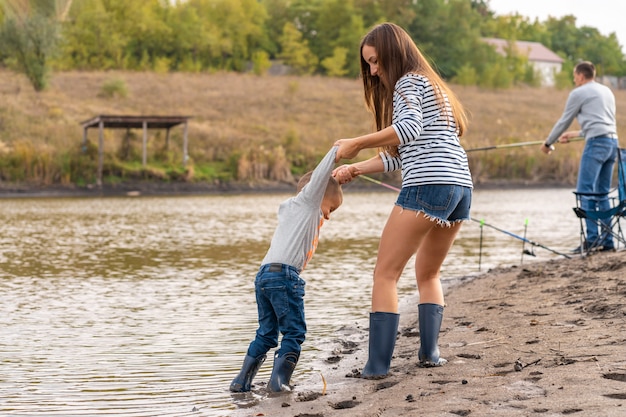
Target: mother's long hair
(397, 56)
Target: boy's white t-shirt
(300, 219)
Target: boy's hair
(332, 189)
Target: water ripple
(145, 306)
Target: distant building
(543, 60)
(611, 81)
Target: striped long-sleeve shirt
(429, 150)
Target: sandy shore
(545, 339)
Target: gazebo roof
(134, 122)
(108, 121)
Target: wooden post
(100, 152)
(144, 159)
(84, 147)
(167, 139)
(185, 154)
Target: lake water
(145, 306)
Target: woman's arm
(350, 148)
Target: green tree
(564, 37)
(190, 44)
(145, 30)
(335, 65)
(514, 26)
(196, 34)
(323, 24)
(349, 39)
(448, 32)
(239, 24)
(585, 43)
(279, 12)
(106, 34)
(29, 36)
(331, 17)
(339, 25)
(295, 50)
(93, 38)
(28, 43)
(604, 52)
(372, 12)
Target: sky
(605, 15)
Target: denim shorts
(443, 203)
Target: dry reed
(252, 128)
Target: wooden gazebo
(134, 122)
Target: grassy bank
(247, 129)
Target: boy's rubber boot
(382, 341)
(430, 317)
(282, 371)
(243, 381)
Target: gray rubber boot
(243, 381)
(282, 371)
(382, 341)
(430, 317)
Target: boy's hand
(345, 173)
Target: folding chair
(608, 221)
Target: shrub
(466, 76)
(260, 62)
(112, 88)
(335, 65)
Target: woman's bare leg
(428, 260)
(402, 236)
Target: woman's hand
(346, 173)
(348, 149)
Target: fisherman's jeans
(594, 176)
(280, 303)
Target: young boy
(278, 286)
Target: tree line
(308, 36)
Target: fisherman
(593, 106)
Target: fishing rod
(482, 222)
(518, 144)
(523, 239)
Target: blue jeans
(280, 303)
(594, 176)
(444, 203)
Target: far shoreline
(152, 189)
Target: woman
(419, 121)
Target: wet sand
(545, 339)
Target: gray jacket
(593, 105)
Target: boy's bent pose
(278, 286)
